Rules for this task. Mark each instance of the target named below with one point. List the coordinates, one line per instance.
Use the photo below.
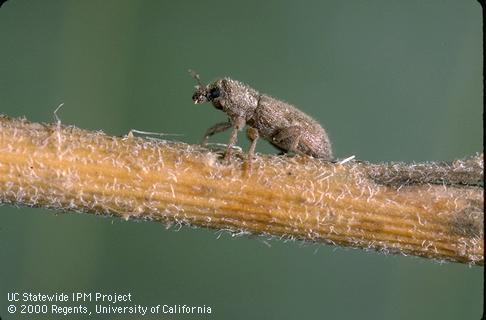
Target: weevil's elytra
(278, 122)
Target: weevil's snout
(206, 94)
(199, 96)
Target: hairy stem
(433, 210)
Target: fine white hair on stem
(347, 159)
(149, 133)
(58, 120)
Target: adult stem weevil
(278, 122)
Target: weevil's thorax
(236, 99)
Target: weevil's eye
(213, 94)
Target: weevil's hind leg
(288, 139)
(238, 124)
(218, 127)
(253, 135)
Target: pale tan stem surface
(429, 210)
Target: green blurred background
(390, 80)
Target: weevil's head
(208, 93)
(232, 97)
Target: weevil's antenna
(196, 76)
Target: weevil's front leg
(288, 139)
(218, 127)
(253, 135)
(238, 124)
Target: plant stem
(430, 210)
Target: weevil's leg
(238, 124)
(288, 138)
(218, 127)
(253, 135)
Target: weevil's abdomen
(317, 146)
(282, 125)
